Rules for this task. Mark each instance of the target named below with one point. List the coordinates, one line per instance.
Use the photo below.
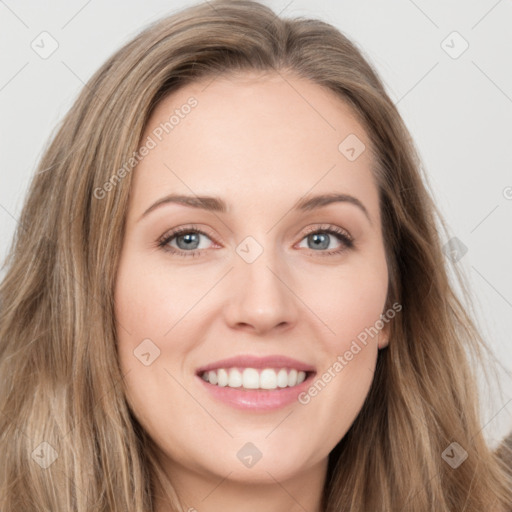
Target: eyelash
(342, 236)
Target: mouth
(253, 378)
(257, 383)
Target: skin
(260, 143)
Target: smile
(252, 378)
(255, 383)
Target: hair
(61, 379)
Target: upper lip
(248, 361)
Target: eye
(184, 241)
(320, 238)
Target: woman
(310, 355)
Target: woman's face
(268, 281)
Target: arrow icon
(351, 147)
(146, 352)
(450, 454)
(249, 455)
(454, 455)
(44, 454)
(249, 253)
(452, 45)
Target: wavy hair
(61, 381)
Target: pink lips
(257, 399)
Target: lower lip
(257, 399)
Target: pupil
(189, 240)
(321, 240)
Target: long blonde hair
(67, 436)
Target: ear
(383, 336)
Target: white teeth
(250, 378)
(223, 377)
(282, 378)
(268, 379)
(235, 378)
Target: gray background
(458, 107)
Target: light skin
(261, 144)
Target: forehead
(255, 137)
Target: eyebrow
(216, 204)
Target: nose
(261, 296)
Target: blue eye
(320, 239)
(186, 241)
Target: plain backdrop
(446, 65)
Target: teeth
(250, 378)
(268, 379)
(282, 378)
(222, 377)
(234, 379)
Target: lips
(256, 384)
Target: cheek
(144, 313)
(349, 303)
(146, 308)
(147, 301)
(349, 353)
